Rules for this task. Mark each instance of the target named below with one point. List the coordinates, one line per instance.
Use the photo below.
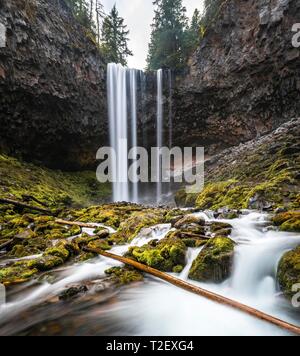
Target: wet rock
(214, 262)
(73, 292)
(188, 220)
(288, 221)
(288, 273)
(167, 254)
(124, 275)
(220, 228)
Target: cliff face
(244, 79)
(52, 85)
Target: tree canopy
(173, 37)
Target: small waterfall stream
(159, 133)
(157, 308)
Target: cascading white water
(159, 133)
(157, 308)
(134, 128)
(122, 90)
(117, 109)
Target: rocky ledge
(261, 174)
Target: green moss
(288, 221)
(52, 188)
(265, 175)
(289, 271)
(100, 244)
(178, 269)
(164, 255)
(184, 200)
(214, 262)
(124, 275)
(59, 250)
(221, 229)
(16, 274)
(86, 256)
(131, 227)
(45, 263)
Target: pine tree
(195, 31)
(82, 12)
(168, 46)
(115, 38)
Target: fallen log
(76, 223)
(199, 291)
(26, 206)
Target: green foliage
(82, 13)
(167, 48)
(115, 38)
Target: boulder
(214, 262)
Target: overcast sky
(138, 15)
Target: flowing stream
(154, 307)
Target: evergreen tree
(168, 46)
(115, 38)
(194, 32)
(81, 11)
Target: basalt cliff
(52, 86)
(243, 81)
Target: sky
(138, 15)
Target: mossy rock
(109, 214)
(86, 256)
(100, 245)
(214, 262)
(221, 229)
(17, 273)
(288, 221)
(20, 251)
(288, 273)
(131, 227)
(124, 275)
(189, 238)
(164, 255)
(45, 263)
(188, 220)
(59, 250)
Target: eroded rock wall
(52, 85)
(244, 79)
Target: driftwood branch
(76, 223)
(199, 291)
(26, 206)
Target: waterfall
(118, 128)
(123, 86)
(159, 133)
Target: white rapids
(159, 309)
